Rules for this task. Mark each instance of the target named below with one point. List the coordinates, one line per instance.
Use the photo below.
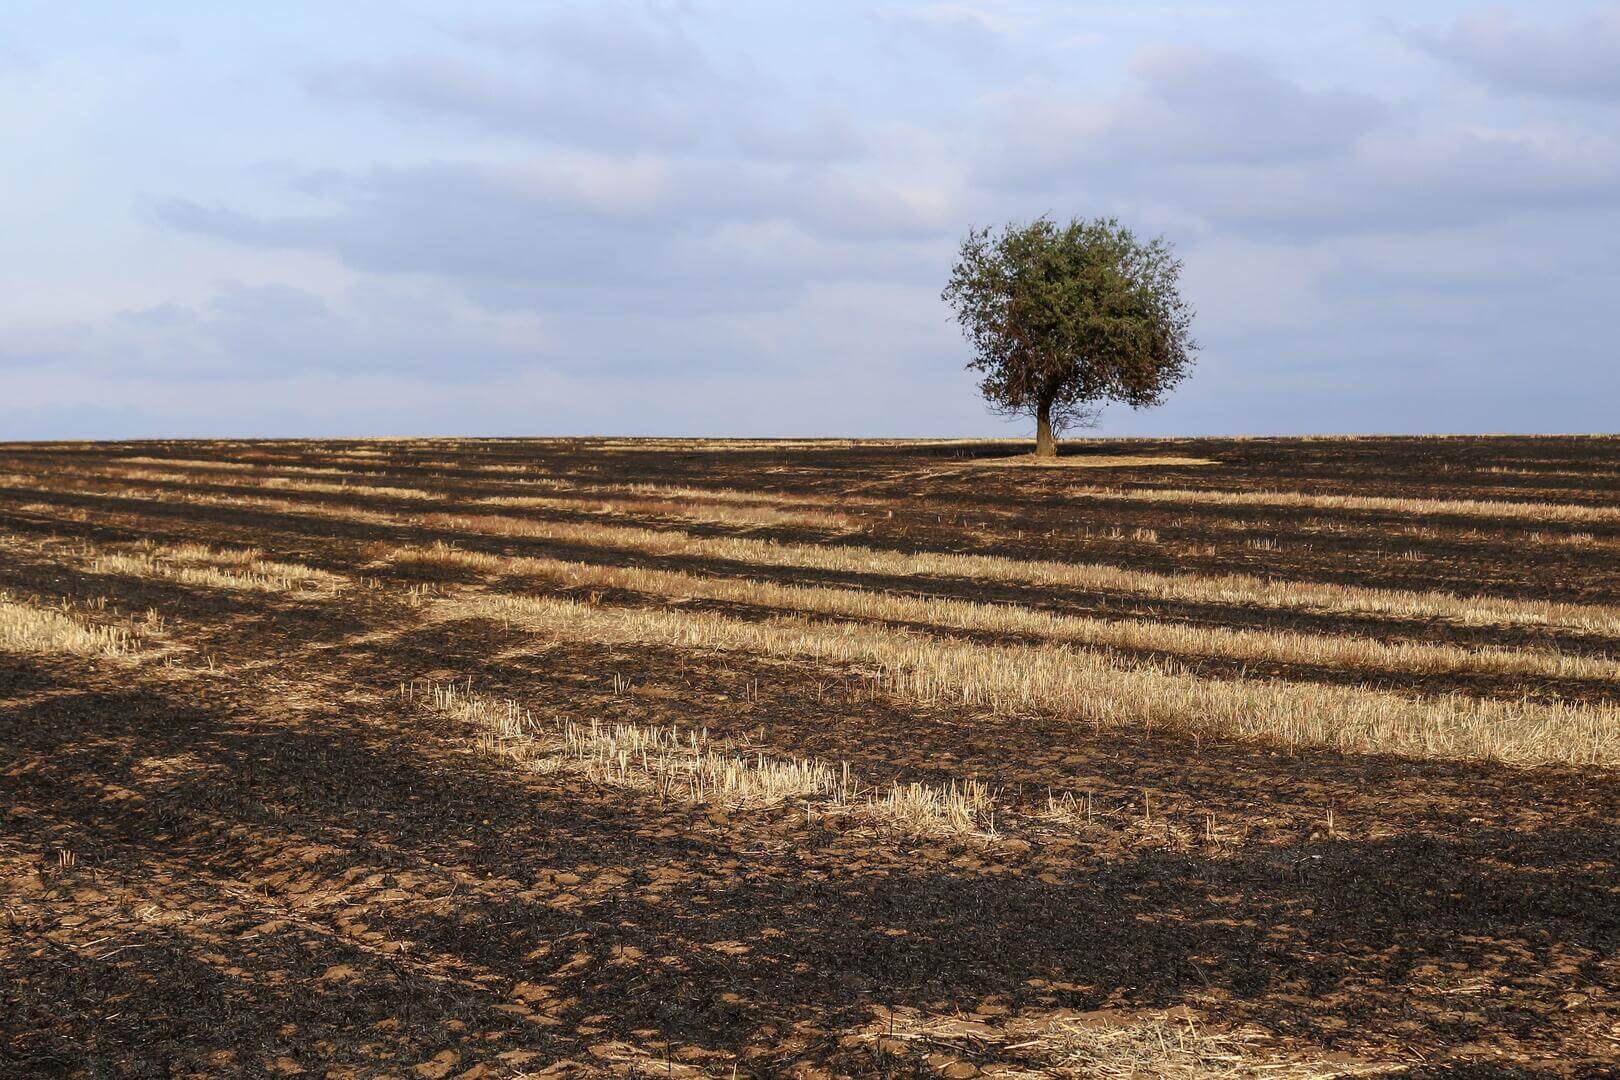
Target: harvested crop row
(1242, 589)
(197, 473)
(33, 629)
(678, 504)
(823, 512)
(1087, 687)
(243, 569)
(720, 513)
(507, 474)
(1482, 508)
(210, 465)
(222, 568)
(687, 766)
(1170, 1046)
(949, 614)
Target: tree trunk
(1045, 444)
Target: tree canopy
(1063, 318)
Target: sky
(701, 218)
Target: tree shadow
(549, 914)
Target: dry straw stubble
(689, 766)
(34, 629)
(946, 614)
(1089, 688)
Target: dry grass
(191, 463)
(732, 446)
(34, 629)
(683, 493)
(1096, 461)
(1167, 1045)
(1239, 589)
(1236, 589)
(236, 476)
(1088, 688)
(290, 507)
(242, 569)
(689, 766)
(1578, 539)
(693, 504)
(1484, 508)
(346, 488)
(960, 808)
(210, 465)
(1587, 474)
(1318, 650)
(725, 495)
(198, 470)
(723, 512)
(668, 761)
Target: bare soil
(244, 852)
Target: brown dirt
(247, 854)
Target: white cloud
(1184, 106)
(255, 330)
(1579, 58)
(691, 218)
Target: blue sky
(705, 218)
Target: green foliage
(1063, 318)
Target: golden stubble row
(719, 512)
(34, 629)
(1416, 508)
(1241, 590)
(689, 766)
(1165, 1044)
(242, 569)
(616, 500)
(1088, 688)
(946, 614)
(1244, 590)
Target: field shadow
(333, 876)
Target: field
(488, 758)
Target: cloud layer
(1579, 57)
(670, 218)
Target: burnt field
(485, 758)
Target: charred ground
(232, 844)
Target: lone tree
(1063, 318)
